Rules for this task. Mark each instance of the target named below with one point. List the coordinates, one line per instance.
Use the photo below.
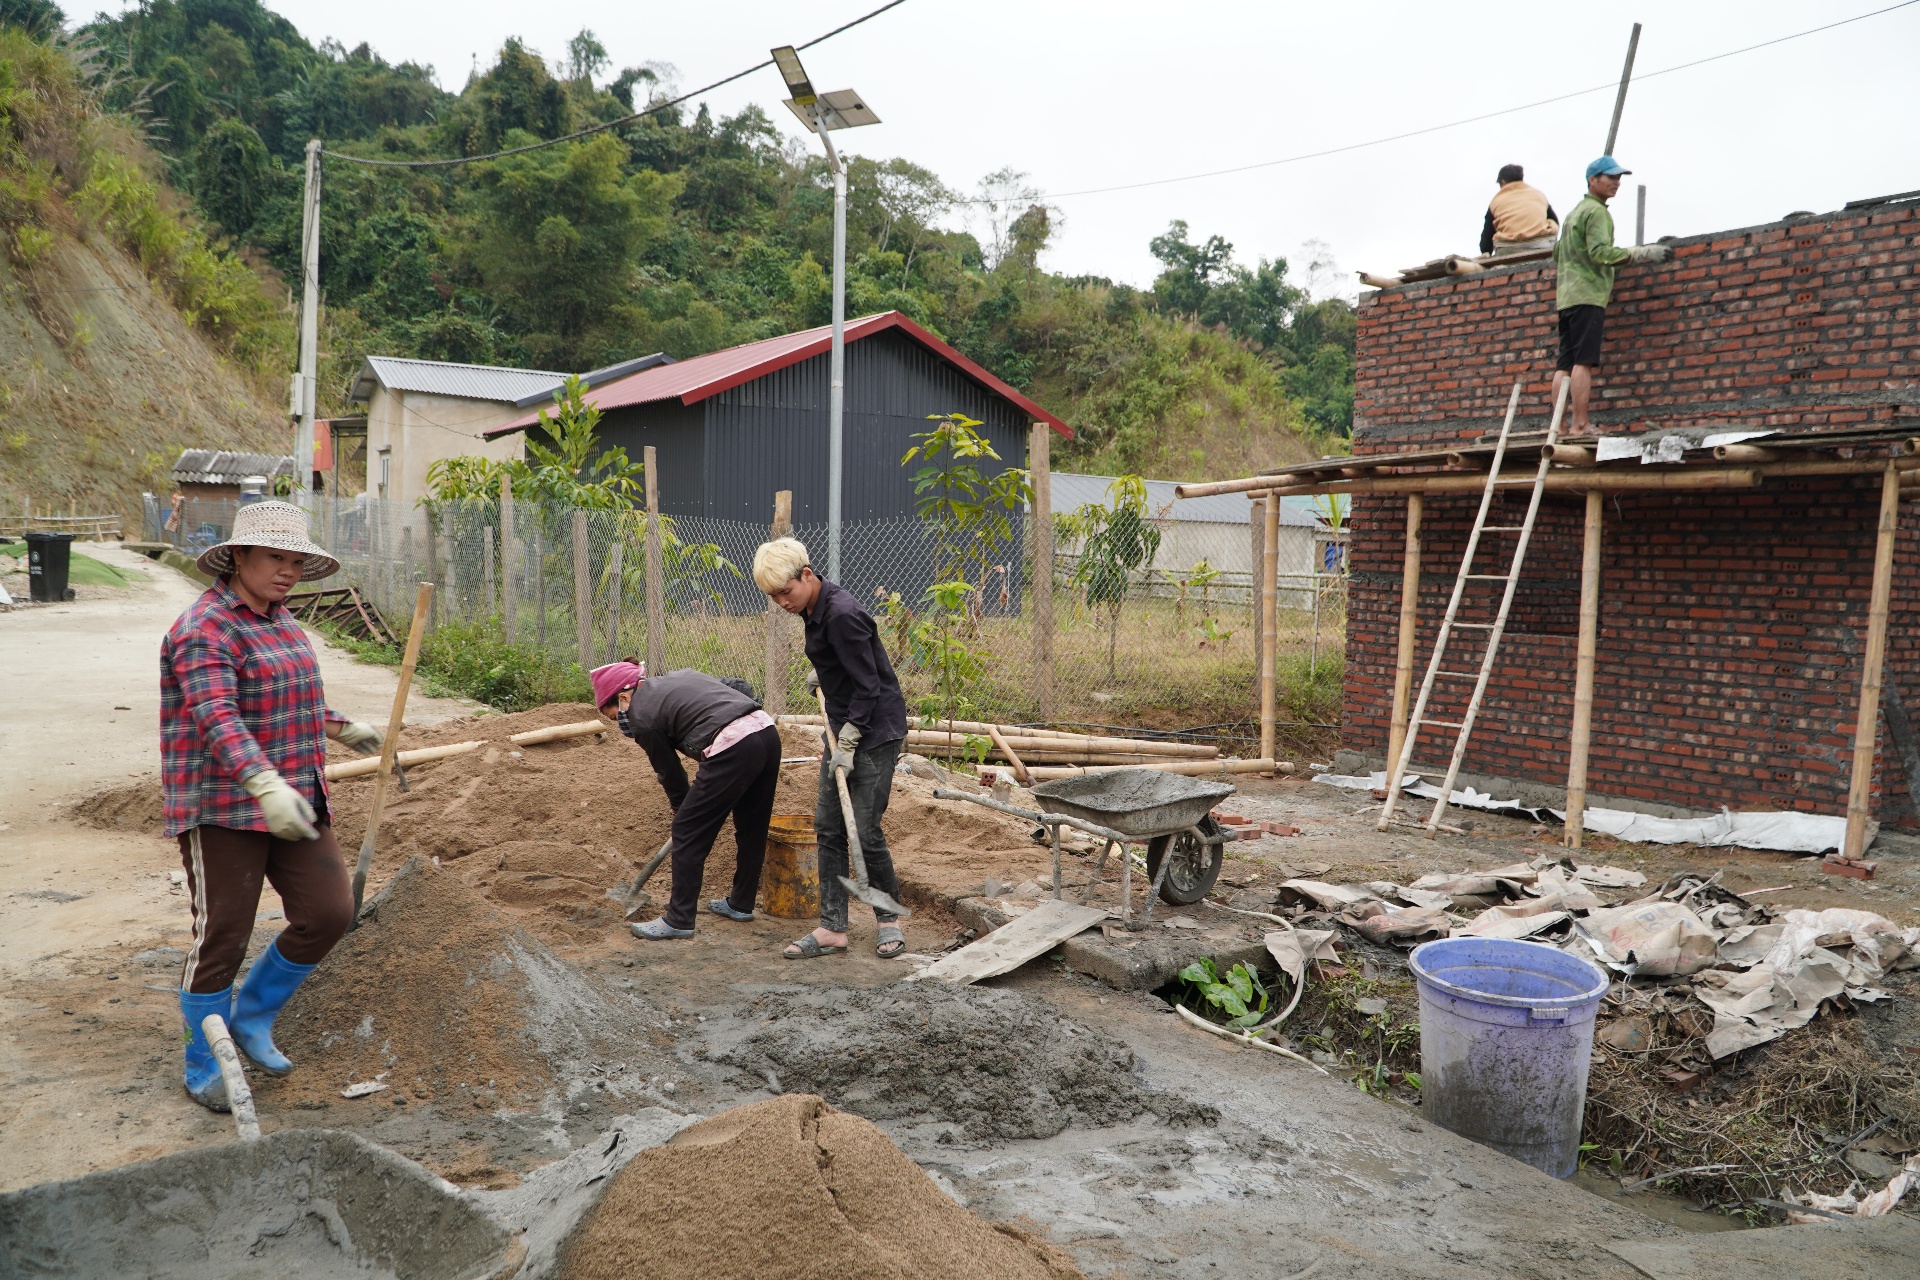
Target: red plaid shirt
(238, 693)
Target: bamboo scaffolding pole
(559, 732)
(1197, 769)
(405, 759)
(1269, 622)
(1409, 634)
(1583, 673)
(1093, 746)
(1015, 732)
(1011, 757)
(1867, 721)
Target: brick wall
(1731, 623)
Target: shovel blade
(878, 899)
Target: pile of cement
(998, 1064)
(445, 1000)
(790, 1189)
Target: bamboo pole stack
(1026, 747)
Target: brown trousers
(224, 871)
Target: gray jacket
(682, 712)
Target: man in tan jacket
(1519, 219)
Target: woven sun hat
(280, 525)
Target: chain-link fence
(1179, 648)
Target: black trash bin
(48, 558)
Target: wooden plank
(1583, 674)
(1409, 636)
(1013, 944)
(1867, 720)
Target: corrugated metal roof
(691, 381)
(218, 466)
(443, 378)
(1071, 491)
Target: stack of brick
(1731, 622)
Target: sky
(1088, 95)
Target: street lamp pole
(822, 113)
(837, 375)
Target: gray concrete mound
(314, 1203)
(997, 1064)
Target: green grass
(473, 660)
(82, 571)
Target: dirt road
(79, 711)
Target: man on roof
(1586, 258)
(1519, 218)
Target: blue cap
(1605, 166)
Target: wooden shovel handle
(390, 744)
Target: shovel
(857, 886)
(646, 874)
(389, 746)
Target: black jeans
(741, 781)
(870, 784)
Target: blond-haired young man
(867, 722)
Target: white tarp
(1782, 831)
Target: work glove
(359, 735)
(844, 749)
(288, 815)
(813, 681)
(1650, 253)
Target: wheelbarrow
(1167, 812)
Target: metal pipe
(1620, 98)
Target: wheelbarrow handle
(1066, 820)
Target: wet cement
(988, 1065)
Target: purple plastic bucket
(1506, 1033)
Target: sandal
(892, 942)
(810, 948)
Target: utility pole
(1620, 99)
(307, 379)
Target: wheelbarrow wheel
(1196, 864)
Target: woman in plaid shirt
(243, 729)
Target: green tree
(232, 175)
(969, 512)
(40, 18)
(586, 56)
(1115, 541)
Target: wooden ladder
(1436, 665)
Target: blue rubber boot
(269, 985)
(205, 1085)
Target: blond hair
(779, 562)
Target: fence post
(656, 593)
(1040, 529)
(452, 586)
(406, 540)
(775, 699)
(540, 588)
(486, 572)
(616, 587)
(507, 600)
(433, 571)
(1256, 528)
(1269, 622)
(582, 591)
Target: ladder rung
(1442, 724)
(1460, 675)
(1477, 626)
(1489, 577)
(1502, 528)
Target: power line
(629, 119)
(1609, 87)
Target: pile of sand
(790, 1189)
(448, 1001)
(130, 806)
(998, 1064)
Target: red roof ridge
(701, 377)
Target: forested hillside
(682, 232)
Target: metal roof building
(224, 468)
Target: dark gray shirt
(682, 712)
(843, 644)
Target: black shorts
(1580, 329)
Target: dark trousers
(224, 870)
(740, 780)
(870, 785)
